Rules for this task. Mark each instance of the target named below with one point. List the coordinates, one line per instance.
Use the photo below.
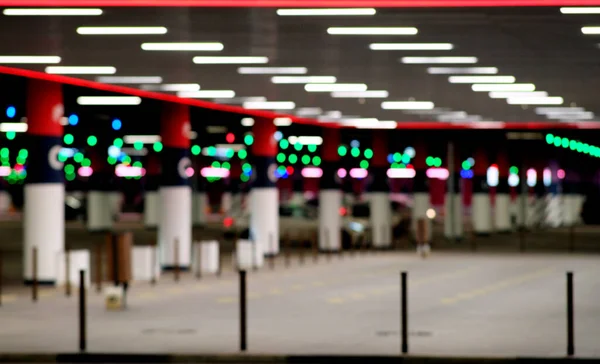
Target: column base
(46, 283)
(171, 268)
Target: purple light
(438, 173)
(359, 173)
(342, 173)
(312, 172)
(214, 172)
(85, 171)
(401, 173)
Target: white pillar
(330, 221)
(200, 207)
(381, 219)
(5, 202)
(151, 209)
(502, 221)
(455, 218)
(99, 211)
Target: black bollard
(243, 327)
(404, 312)
(82, 314)
(570, 316)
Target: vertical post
(82, 314)
(404, 312)
(68, 272)
(154, 264)
(198, 260)
(451, 187)
(34, 279)
(176, 260)
(570, 316)
(99, 268)
(243, 327)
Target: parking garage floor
(475, 304)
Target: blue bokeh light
(466, 173)
(278, 135)
(73, 119)
(390, 158)
(355, 144)
(11, 111)
(116, 124)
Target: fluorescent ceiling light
(411, 46)
(121, 30)
(513, 87)
(303, 79)
(462, 70)
(407, 105)
(327, 12)
(552, 100)
(587, 115)
(240, 100)
(506, 95)
(580, 10)
(269, 105)
(590, 30)
(333, 87)
(309, 111)
(272, 70)
(207, 94)
(210, 46)
(230, 60)
(144, 139)
(369, 94)
(401, 173)
(372, 30)
(135, 152)
(247, 122)
(109, 100)
(282, 121)
(129, 79)
(172, 87)
(63, 70)
(387, 124)
(561, 110)
(29, 59)
(481, 79)
(438, 60)
(14, 127)
(305, 140)
(52, 12)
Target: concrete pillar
(502, 222)
(453, 218)
(44, 193)
(175, 193)
(264, 208)
(330, 194)
(481, 210)
(421, 199)
(151, 195)
(100, 212)
(379, 199)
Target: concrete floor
(484, 304)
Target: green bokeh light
(312, 148)
(316, 161)
(293, 158)
(158, 146)
(305, 159)
(92, 140)
(242, 154)
(284, 144)
(10, 135)
(86, 162)
(216, 164)
(368, 153)
(78, 157)
(355, 152)
(280, 157)
(549, 138)
(196, 149)
(138, 145)
(248, 139)
(69, 169)
(342, 150)
(118, 142)
(68, 139)
(364, 164)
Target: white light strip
(109, 100)
(514, 87)
(121, 30)
(506, 95)
(122, 170)
(401, 173)
(208, 46)
(587, 115)
(407, 105)
(303, 79)
(359, 173)
(372, 30)
(326, 12)
(411, 46)
(309, 111)
(64, 70)
(305, 140)
(52, 12)
(229, 60)
(214, 172)
(333, 87)
(481, 79)
(272, 70)
(282, 121)
(374, 124)
(144, 139)
(438, 60)
(369, 94)
(207, 94)
(312, 172)
(580, 10)
(552, 100)
(172, 87)
(462, 70)
(558, 110)
(129, 79)
(437, 173)
(590, 30)
(14, 127)
(29, 59)
(247, 122)
(269, 105)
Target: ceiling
(538, 45)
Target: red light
(343, 211)
(494, 166)
(228, 222)
(410, 166)
(230, 138)
(290, 170)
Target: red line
(298, 3)
(420, 125)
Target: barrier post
(404, 312)
(198, 260)
(68, 272)
(570, 316)
(99, 268)
(176, 260)
(34, 280)
(82, 313)
(243, 327)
